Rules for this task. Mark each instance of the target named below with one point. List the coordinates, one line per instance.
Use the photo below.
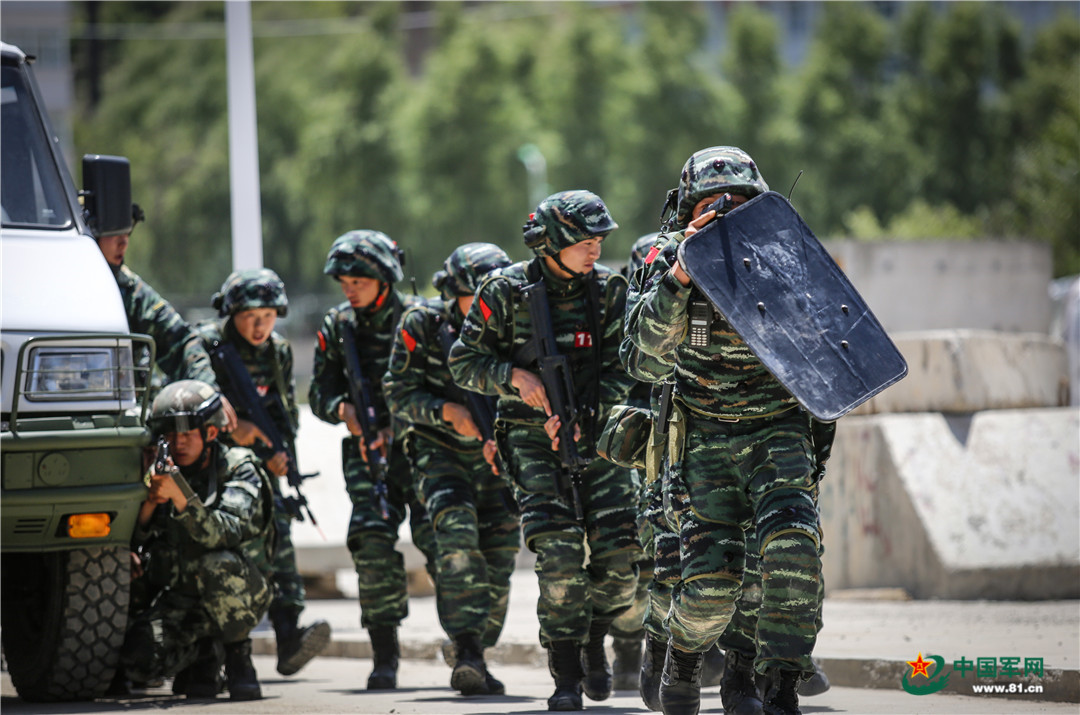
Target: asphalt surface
(335, 685)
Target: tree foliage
(944, 122)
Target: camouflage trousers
(477, 536)
(285, 578)
(736, 476)
(380, 568)
(630, 624)
(663, 546)
(574, 590)
(223, 595)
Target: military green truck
(73, 423)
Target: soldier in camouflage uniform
(205, 534)
(496, 354)
(367, 265)
(741, 451)
(477, 529)
(248, 305)
(628, 629)
(179, 353)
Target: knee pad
(456, 529)
(787, 510)
(791, 571)
(369, 547)
(712, 550)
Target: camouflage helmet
(186, 405)
(365, 254)
(566, 218)
(253, 288)
(716, 170)
(638, 251)
(463, 269)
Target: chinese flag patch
(484, 309)
(410, 341)
(653, 253)
(582, 340)
(322, 340)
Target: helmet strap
(561, 265)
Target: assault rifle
(559, 386)
(239, 388)
(481, 407)
(364, 402)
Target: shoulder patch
(484, 309)
(322, 340)
(410, 341)
(653, 253)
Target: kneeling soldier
(205, 537)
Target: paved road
(335, 685)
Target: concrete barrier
(986, 506)
(973, 370)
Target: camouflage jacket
(418, 382)
(375, 333)
(723, 379)
(231, 508)
(179, 352)
(271, 368)
(497, 336)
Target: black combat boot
(240, 675)
(738, 689)
(680, 685)
(597, 683)
(782, 692)
(564, 663)
(494, 685)
(652, 667)
(202, 679)
(384, 653)
(295, 645)
(469, 674)
(712, 670)
(624, 671)
(817, 684)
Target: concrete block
(933, 285)
(974, 370)
(979, 507)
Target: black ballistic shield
(763, 269)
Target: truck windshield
(31, 191)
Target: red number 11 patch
(582, 340)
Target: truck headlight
(79, 374)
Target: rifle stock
(240, 389)
(364, 402)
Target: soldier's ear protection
(535, 234)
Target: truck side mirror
(107, 194)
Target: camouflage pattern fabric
(477, 533)
(716, 170)
(572, 593)
(179, 353)
(365, 254)
(496, 337)
(477, 536)
(380, 568)
(206, 566)
(566, 218)
(730, 481)
(248, 289)
(260, 363)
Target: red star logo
(919, 666)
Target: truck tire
(64, 617)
